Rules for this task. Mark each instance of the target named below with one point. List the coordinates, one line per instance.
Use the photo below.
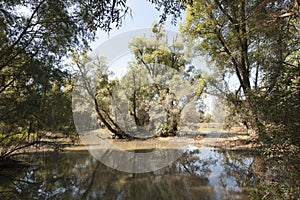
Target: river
(200, 173)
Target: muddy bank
(230, 141)
(226, 141)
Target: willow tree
(151, 57)
(250, 41)
(35, 37)
(148, 99)
(162, 61)
(256, 43)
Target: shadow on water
(200, 173)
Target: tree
(160, 76)
(244, 40)
(94, 90)
(35, 37)
(257, 43)
(161, 60)
(149, 98)
(47, 30)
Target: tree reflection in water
(203, 173)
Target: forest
(46, 67)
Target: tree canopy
(150, 97)
(35, 89)
(254, 43)
(253, 49)
(36, 36)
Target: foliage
(36, 35)
(253, 47)
(160, 62)
(159, 83)
(35, 90)
(248, 43)
(277, 176)
(93, 94)
(161, 75)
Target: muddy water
(200, 173)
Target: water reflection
(204, 173)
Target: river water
(200, 173)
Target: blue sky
(143, 14)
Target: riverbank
(223, 141)
(230, 141)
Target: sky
(143, 14)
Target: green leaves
(254, 47)
(36, 35)
(242, 43)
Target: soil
(225, 141)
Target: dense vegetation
(256, 43)
(36, 36)
(34, 87)
(150, 99)
(252, 43)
